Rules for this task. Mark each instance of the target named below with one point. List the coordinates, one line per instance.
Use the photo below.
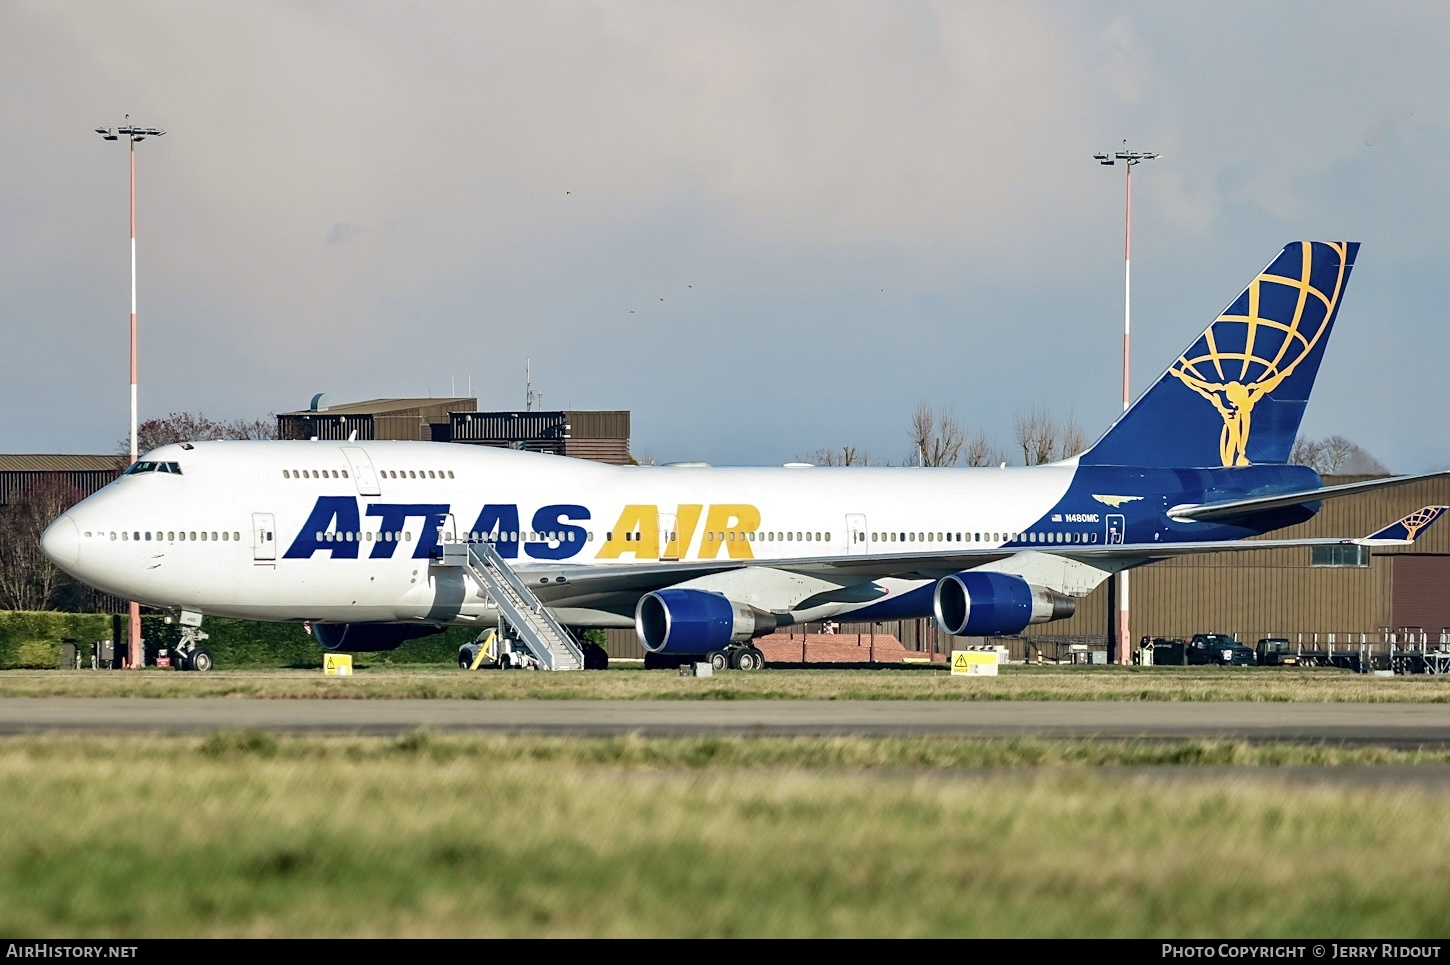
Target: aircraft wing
(555, 583)
(1233, 508)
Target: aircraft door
(669, 537)
(362, 472)
(1116, 528)
(448, 529)
(264, 537)
(856, 535)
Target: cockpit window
(148, 466)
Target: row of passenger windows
(528, 536)
(416, 474)
(385, 473)
(728, 536)
(937, 537)
(570, 536)
(878, 537)
(170, 535)
(315, 473)
(1062, 537)
(820, 537)
(404, 536)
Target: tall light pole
(1129, 159)
(132, 134)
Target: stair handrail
(492, 557)
(486, 557)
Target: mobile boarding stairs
(518, 606)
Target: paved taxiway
(1396, 724)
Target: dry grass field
(1014, 683)
(244, 834)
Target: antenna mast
(531, 398)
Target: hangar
(599, 435)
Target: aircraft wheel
(719, 660)
(751, 659)
(200, 660)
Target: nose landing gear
(190, 654)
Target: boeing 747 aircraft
(376, 543)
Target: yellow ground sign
(974, 663)
(337, 664)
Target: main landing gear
(742, 657)
(746, 658)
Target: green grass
(247, 834)
(924, 683)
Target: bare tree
(263, 428)
(196, 427)
(1363, 464)
(1334, 455)
(981, 451)
(1070, 438)
(1335, 452)
(28, 580)
(1305, 452)
(840, 456)
(1043, 439)
(936, 438)
(1036, 436)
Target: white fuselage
(330, 531)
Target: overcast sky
(763, 227)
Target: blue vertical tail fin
(1236, 396)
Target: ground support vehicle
(1220, 649)
(492, 650)
(1276, 652)
(1169, 653)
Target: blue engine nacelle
(977, 604)
(696, 621)
(369, 637)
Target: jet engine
(369, 637)
(977, 604)
(696, 621)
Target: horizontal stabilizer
(1236, 508)
(1406, 530)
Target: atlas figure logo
(1252, 348)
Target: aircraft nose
(61, 540)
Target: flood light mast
(1129, 159)
(132, 134)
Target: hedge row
(33, 640)
(29, 639)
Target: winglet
(1407, 530)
